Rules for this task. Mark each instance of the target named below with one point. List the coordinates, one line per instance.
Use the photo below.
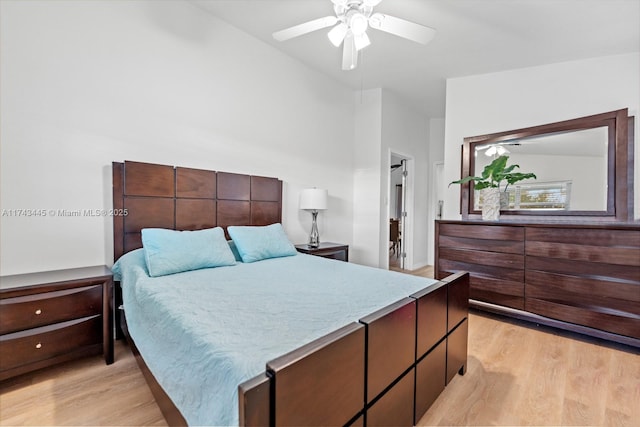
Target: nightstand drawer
(340, 255)
(31, 311)
(337, 251)
(33, 345)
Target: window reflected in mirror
(550, 196)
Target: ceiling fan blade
(349, 53)
(400, 27)
(307, 27)
(365, 2)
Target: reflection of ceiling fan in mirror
(353, 18)
(497, 149)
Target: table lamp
(313, 200)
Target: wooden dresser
(579, 277)
(51, 317)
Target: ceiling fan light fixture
(496, 150)
(361, 41)
(337, 34)
(358, 23)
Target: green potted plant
(489, 184)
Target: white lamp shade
(313, 199)
(361, 41)
(338, 33)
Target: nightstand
(327, 250)
(51, 317)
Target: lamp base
(314, 237)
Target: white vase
(504, 200)
(490, 204)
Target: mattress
(203, 332)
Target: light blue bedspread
(204, 332)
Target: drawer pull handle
(38, 311)
(39, 345)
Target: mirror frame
(619, 166)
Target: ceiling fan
(497, 148)
(353, 18)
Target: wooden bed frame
(385, 369)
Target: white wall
(436, 155)
(367, 200)
(88, 83)
(495, 102)
(406, 132)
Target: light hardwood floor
(426, 271)
(527, 375)
(84, 392)
(517, 375)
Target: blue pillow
(258, 243)
(172, 251)
(127, 261)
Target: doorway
(398, 216)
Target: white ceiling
(473, 37)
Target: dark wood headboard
(179, 198)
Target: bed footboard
(318, 384)
(391, 338)
(385, 370)
(457, 323)
(431, 346)
(254, 401)
(321, 382)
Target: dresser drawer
(33, 345)
(31, 311)
(487, 238)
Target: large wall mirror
(584, 167)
